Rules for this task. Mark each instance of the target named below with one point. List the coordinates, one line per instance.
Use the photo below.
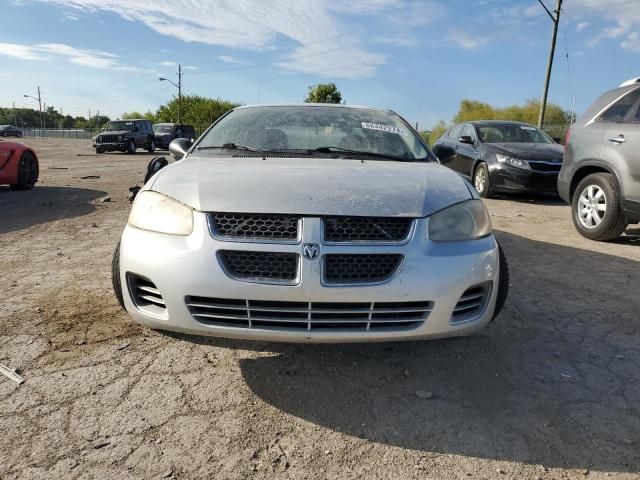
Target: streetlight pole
(39, 100)
(552, 51)
(178, 86)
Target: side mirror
(466, 139)
(179, 147)
(154, 166)
(445, 154)
(558, 140)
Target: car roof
(501, 122)
(328, 105)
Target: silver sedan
(310, 223)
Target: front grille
(307, 316)
(360, 268)
(241, 226)
(145, 294)
(260, 266)
(471, 303)
(108, 139)
(545, 166)
(366, 229)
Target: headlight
(159, 213)
(462, 221)
(514, 162)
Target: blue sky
(419, 58)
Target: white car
(310, 223)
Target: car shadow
(23, 209)
(555, 380)
(533, 198)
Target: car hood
(311, 186)
(114, 132)
(529, 151)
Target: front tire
(152, 147)
(482, 181)
(503, 282)
(595, 208)
(115, 275)
(131, 147)
(28, 170)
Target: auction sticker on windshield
(382, 128)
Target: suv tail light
(566, 138)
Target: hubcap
(480, 180)
(592, 206)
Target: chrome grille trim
(308, 316)
(472, 303)
(347, 269)
(367, 230)
(258, 228)
(278, 268)
(107, 139)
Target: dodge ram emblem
(311, 250)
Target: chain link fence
(77, 133)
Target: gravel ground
(550, 390)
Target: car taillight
(566, 138)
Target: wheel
(131, 147)
(481, 180)
(99, 150)
(503, 282)
(152, 147)
(27, 172)
(115, 275)
(595, 208)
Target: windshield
(119, 125)
(163, 128)
(308, 128)
(511, 133)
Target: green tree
(194, 110)
(149, 115)
(68, 122)
(324, 93)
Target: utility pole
(98, 121)
(554, 35)
(44, 120)
(15, 118)
(179, 91)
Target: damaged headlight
(462, 221)
(158, 213)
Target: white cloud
(229, 59)
(57, 51)
(466, 41)
(168, 64)
(582, 25)
(323, 44)
(624, 27)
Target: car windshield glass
(317, 130)
(511, 133)
(119, 125)
(163, 128)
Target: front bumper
(111, 147)
(187, 266)
(510, 179)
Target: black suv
(165, 133)
(126, 136)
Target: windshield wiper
(228, 146)
(359, 152)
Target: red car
(18, 166)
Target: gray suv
(600, 175)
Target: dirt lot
(550, 390)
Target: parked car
(125, 136)
(309, 223)
(600, 176)
(165, 133)
(10, 131)
(19, 166)
(500, 156)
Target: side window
(455, 132)
(636, 117)
(619, 112)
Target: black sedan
(10, 131)
(500, 156)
